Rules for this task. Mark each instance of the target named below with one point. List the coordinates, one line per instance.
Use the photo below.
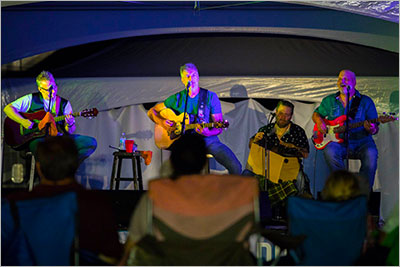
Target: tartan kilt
(277, 192)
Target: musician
(361, 144)
(283, 135)
(202, 106)
(284, 138)
(59, 106)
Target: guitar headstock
(387, 118)
(89, 113)
(222, 124)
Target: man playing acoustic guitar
(362, 110)
(39, 101)
(203, 107)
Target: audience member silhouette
(341, 185)
(57, 162)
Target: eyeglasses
(47, 90)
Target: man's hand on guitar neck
(203, 131)
(371, 128)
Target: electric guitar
(165, 136)
(16, 136)
(337, 126)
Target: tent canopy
(118, 55)
(40, 27)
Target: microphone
(188, 85)
(272, 114)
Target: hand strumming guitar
(49, 119)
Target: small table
(137, 170)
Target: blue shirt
(331, 107)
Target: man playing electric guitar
(361, 144)
(59, 106)
(203, 107)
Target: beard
(282, 123)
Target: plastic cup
(129, 145)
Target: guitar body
(337, 126)
(322, 140)
(164, 136)
(16, 136)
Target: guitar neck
(204, 125)
(342, 128)
(60, 118)
(358, 124)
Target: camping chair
(199, 220)
(44, 228)
(334, 231)
(42, 231)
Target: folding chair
(199, 220)
(335, 231)
(39, 231)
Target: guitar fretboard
(342, 128)
(60, 118)
(204, 125)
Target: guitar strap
(202, 105)
(354, 107)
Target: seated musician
(361, 144)
(203, 107)
(40, 101)
(284, 138)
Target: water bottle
(134, 147)
(122, 142)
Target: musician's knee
(333, 151)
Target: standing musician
(203, 106)
(284, 138)
(361, 144)
(40, 101)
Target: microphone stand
(347, 127)
(267, 157)
(48, 110)
(184, 113)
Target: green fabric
(177, 103)
(392, 241)
(218, 250)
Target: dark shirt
(295, 136)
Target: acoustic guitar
(337, 126)
(165, 136)
(16, 136)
